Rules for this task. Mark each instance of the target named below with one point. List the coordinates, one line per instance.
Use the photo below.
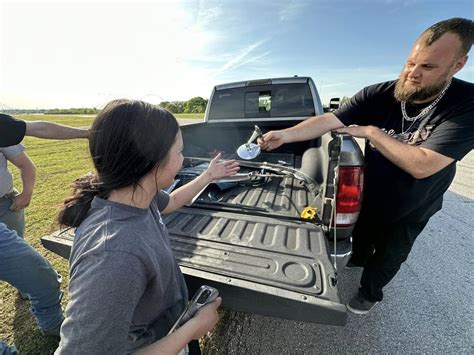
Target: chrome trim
(341, 259)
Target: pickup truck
(271, 238)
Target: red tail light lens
(349, 195)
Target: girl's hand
(194, 329)
(205, 319)
(220, 168)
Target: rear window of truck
(278, 100)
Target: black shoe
(359, 305)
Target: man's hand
(417, 161)
(272, 140)
(20, 201)
(357, 131)
(28, 177)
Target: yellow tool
(309, 213)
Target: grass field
(58, 164)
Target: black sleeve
(12, 130)
(354, 111)
(365, 107)
(453, 138)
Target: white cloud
(242, 57)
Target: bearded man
(417, 128)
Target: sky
(64, 54)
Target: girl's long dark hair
(127, 140)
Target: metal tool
(250, 150)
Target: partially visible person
(20, 264)
(12, 130)
(12, 203)
(417, 128)
(126, 289)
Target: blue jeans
(14, 220)
(24, 268)
(5, 349)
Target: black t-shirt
(12, 130)
(391, 194)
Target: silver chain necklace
(423, 112)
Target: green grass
(58, 164)
(189, 115)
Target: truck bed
(279, 197)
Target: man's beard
(417, 93)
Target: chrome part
(251, 150)
(248, 151)
(342, 259)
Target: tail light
(349, 195)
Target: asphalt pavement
(427, 308)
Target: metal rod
(228, 204)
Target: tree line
(193, 105)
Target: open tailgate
(260, 265)
(253, 247)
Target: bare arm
(184, 194)
(417, 161)
(28, 177)
(50, 130)
(308, 129)
(217, 169)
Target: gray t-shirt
(6, 180)
(126, 289)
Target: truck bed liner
(272, 196)
(260, 265)
(264, 250)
